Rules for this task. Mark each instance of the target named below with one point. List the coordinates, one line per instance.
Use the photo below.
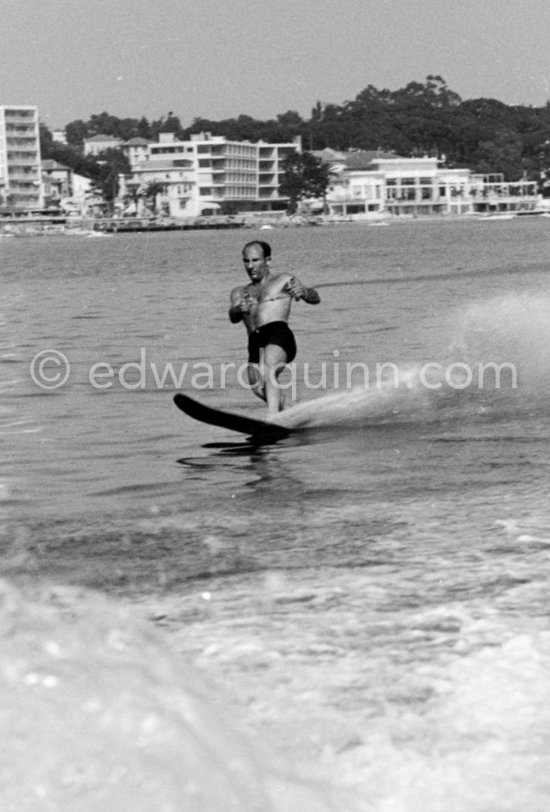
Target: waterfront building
(369, 183)
(63, 188)
(56, 182)
(20, 164)
(162, 181)
(81, 193)
(208, 175)
(356, 187)
(491, 194)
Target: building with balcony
(369, 183)
(491, 194)
(209, 174)
(20, 164)
(162, 180)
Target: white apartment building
(63, 188)
(369, 184)
(420, 186)
(208, 174)
(136, 150)
(99, 143)
(20, 164)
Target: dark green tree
(167, 124)
(143, 129)
(112, 163)
(503, 153)
(76, 131)
(304, 175)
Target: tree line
(484, 135)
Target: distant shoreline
(85, 226)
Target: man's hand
(299, 291)
(295, 288)
(246, 302)
(241, 305)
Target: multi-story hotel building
(20, 166)
(209, 174)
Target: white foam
(386, 400)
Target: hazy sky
(220, 58)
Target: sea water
(371, 597)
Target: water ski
(259, 429)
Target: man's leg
(274, 361)
(256, 379)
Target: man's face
(255, 263)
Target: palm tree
(151, 191)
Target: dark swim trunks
(274, 332)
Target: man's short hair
(265, 246)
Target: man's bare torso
(269, 301)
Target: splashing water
(511, 329)
(498, 363)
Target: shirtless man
(264, 307)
